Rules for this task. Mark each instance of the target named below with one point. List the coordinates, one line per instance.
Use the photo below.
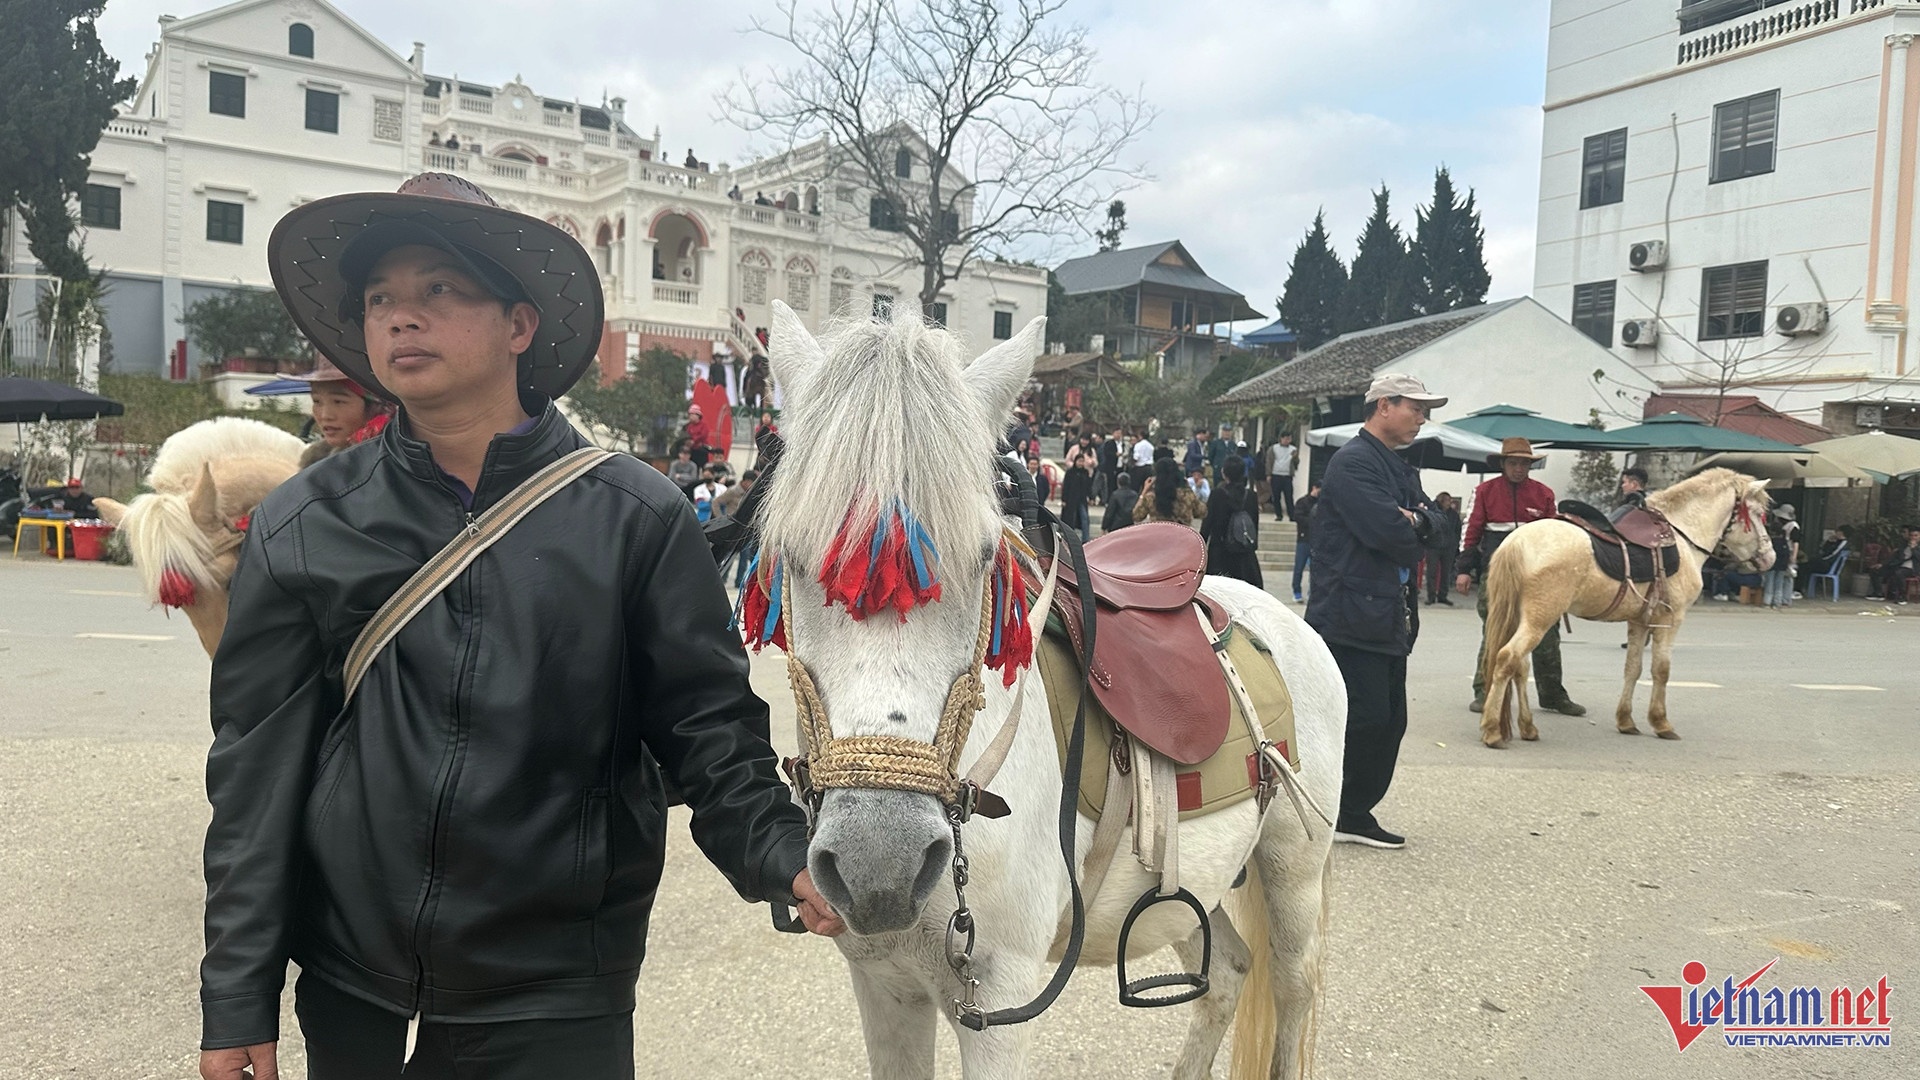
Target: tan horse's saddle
(1624, 549)
(1154, 669)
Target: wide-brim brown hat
(1516, 447)
(320, 253)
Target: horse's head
(1745, 542)
(186, 545)
(1732, 502)
(890, 437)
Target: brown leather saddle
(1641, 547)
(1153, 665)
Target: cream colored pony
(185, 535)
(1546, 570)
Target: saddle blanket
(1228, 777)
(1639, 560)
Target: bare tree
(1009, 138)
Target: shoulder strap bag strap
(430, 580)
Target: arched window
(516, 155)
(800, 283)
(755, 268)
(300, 40)
(840, 291)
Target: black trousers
(350, 1039)
(1281, 491)
(1376, 722)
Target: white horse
(890, 411)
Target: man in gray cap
(462, 854)
(1370, 529)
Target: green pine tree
(1316, 283)
(1377, 291)
(1447, 263)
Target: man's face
(435, 336)
(1515, 469)
(1400, 419)
(1630, 484)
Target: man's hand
(1464, 582)
(231, 1064)
(814, 909)
(1413, 519)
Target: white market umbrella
(1437, 446)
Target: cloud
(1268, 109)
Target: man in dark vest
(1500, 506)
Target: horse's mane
(884, 418)
(1707, 483)
(176, 468)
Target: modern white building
(1727, 198)
(250, 109)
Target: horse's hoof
(1629, 731)
(1671, 736)
(1530, 736)
(1495, 744)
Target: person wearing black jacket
(1370, 529)
(463, 857)
(1233, 495)
(1119, 513)
(1444, 551)
(1076, 488)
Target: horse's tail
(173, 555)
(1255, 1023)
(1255, 1026)
(1503, 622)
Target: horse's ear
(998, 375)
(793, 356)
(111, 511)
(204, 501)
(1756, 491)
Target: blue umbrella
(1682, 431)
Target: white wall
(1811, 218)
(1521, 355)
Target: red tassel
(372, 428)
(176, 588)
(240, 523)
(1015, 650)
(753, 615)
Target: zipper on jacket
(443, 794)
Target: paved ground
(1542, 886)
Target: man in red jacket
(1500, 506)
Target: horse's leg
(998, 1053)
(1214, 1012)
(897, 1017)
(1523, 701)
(1294, 878)
(1662, 666)
(1506, 681)
(1636, 646)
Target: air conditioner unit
(1647, 255)
(1794, 319)
(1639, 333)
(1868, 416)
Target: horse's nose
(877, 855)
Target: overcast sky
(1268, 109)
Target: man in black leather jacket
(463, 858)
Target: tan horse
(1546, 570)
(185, 535)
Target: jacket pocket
(590, 861)
(336, 758)
(1376, 618)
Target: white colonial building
(1727, 197)
(251, 109)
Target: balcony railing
(441, 159)
(676, 294)
(1769, 25)
(654, 172)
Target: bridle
(1741, 515)
(897, 763)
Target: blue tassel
(775, 595)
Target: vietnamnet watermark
(1749, 1016)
